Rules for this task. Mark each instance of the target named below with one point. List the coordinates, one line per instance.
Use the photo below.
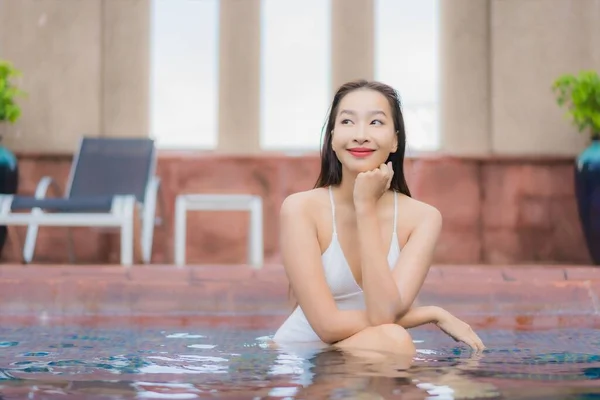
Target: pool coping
(526, 295)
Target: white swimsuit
(345, 290)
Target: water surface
(47, 362)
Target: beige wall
(533, 43)
(239, 76)
(85, 67)
(352, 41)
(499, 59)
(125, 79)
(352, 57)
(465, 77)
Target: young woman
(357, 248)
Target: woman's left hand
(459, 331)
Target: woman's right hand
(459, 330)
(369, 186)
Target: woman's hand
(459, 330)
(371, 185)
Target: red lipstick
(360, 151)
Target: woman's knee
(392, 329)
(396, 333)
(387, 338)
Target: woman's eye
(345, 121)
(377, 122)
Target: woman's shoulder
(417, 211)
(306, 203)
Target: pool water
(48, 362)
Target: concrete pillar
(125, 68)
(352, 41)
(239, 76)
(57, 46)
(85, 69)
(465, 97)
(594, 35)
(534, 42)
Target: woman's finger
(480, 343)
(469, 342)
(475, 337)
(477, 343)
(473, 341)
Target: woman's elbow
(329, 339)
(328, 336)
(332, 330)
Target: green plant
(581, 96)
(9, 109)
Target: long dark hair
(331, 168)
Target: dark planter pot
(9, 180)
(587, 187)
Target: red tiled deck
(521, 297)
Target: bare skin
(364, 221)
(313, 210)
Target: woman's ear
(395, 145)
(332, 142)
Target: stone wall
(515, 210)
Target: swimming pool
(201, 359)
(106, 332)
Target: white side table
(221, 202)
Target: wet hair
(331, 168)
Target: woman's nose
(360, 135)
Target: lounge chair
(111, 184)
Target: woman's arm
(301, 255)
(382, 297)
(448, 323)
(390, 294)
(418, 316)
(417, 254)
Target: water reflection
(336, 373)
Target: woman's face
(363, 134)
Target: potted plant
(580, 95)
(10, 112)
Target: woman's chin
(358, 166)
